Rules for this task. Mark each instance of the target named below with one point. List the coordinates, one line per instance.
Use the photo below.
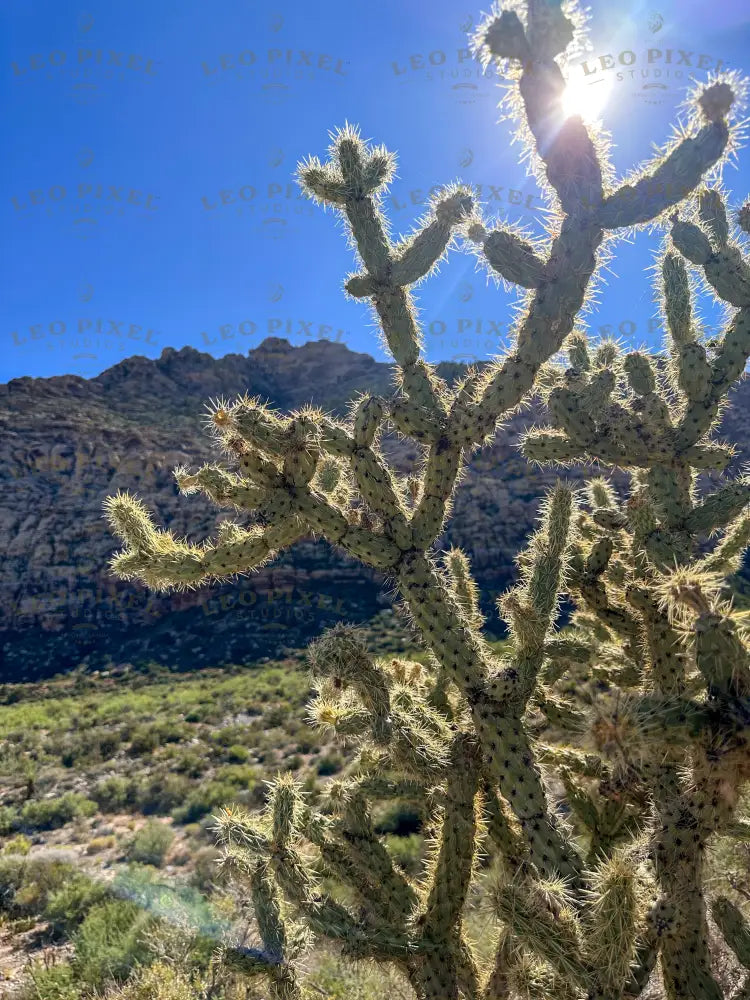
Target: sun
(586, 99)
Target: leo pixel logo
(507, 197)
(85, 201)
(89, 69)
(654, 72)
(90, 338)
(274, 69)
(449, 69)
(284, 323)
(269, 199)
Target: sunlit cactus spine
(591, 765)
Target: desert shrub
(276, 716)
(171, 731)
(114, 794)
(329, 763)
(17, 845)
(205, 872)
(241, 776)
(228, 736)
(26, 884)
(151, 844)
(11, 876)
(407, 852)
(8, 817)
(67, 906)
(237, 754)
(187, 762)
(203, 800)
(160, 981)
(198, 714)
(179, 911)
(111, 941)
(50, 814)
(51, 982)
(103, 843)
(161, 792)
(144, 740)
(108, 743)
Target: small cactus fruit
(592, 765)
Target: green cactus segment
(713, 215)
(464, 586)
(273, 933)
(669, 182)
(612, 923)
(721, 655)
(513, 258)
(451, 870)
(734, 928)
(550, 930)
(719, 508)
(728, 555)
(453, 865)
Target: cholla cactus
(587, 905)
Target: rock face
(68, 442)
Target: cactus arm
(440, 620)
(549, 320)
(545, 929)
(440, 477)
(498, 985)
(452, 867)
(667, 181)
(161, 561)
(509, 255)
(734, 928)
(389, 270)
(450, 872)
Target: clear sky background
(147, 197)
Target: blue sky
(147, 194)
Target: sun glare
(586, 99)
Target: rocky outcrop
(69, 442)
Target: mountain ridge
(68, 442)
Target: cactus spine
(586, 907)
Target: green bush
(205, 873)
(11, 876)
(144, 740)
(151, 844)
(242, 776)
(54, 982)
(111, 941)
(49, 814)
(17, 845)
(203, 800)
(161, 792)
(330, 763)
(114, 794)
(109, 743)
(237, 754)
(188, 762)
(26, 884)
(407, 852)
(8, 817)
(160, 981)
(76, 751)
(67, 907)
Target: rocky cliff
(68, 442)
